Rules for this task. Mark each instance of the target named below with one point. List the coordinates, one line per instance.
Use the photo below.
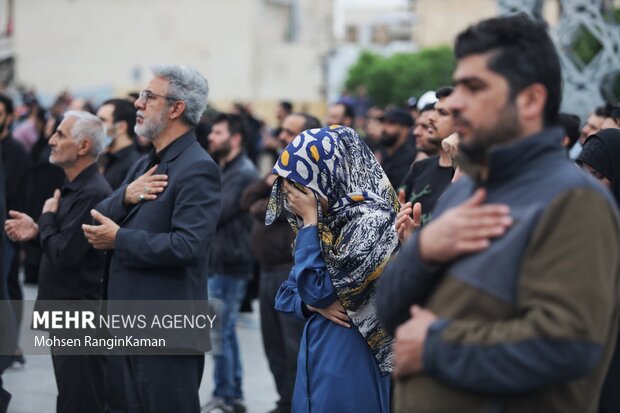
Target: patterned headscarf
(357, 232)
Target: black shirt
(397, 165)
(70, 268)
(16, 163)
(425, 183)
(116, 165)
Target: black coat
(162, 247)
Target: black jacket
(231, 248)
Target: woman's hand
(301, 203)
(334, 312)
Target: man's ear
(122, 127)
(531, 102)
(177, 109)
(85, 146)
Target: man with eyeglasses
(158, 228)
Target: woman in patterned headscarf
(342, 206)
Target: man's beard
(389, 140)
(506, 129)
(222, 152)
(151, 128)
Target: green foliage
(393, 79)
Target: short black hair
(124, 111)
(601, 111)
(521, 51)
(612, 111)
(310, 122)
(349, 112)
(7, 102)
(444, 92)
(287, 106)
(570, 123)
(236, 124)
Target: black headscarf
(602, 152)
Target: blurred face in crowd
(374, 129)
(335, 115)
(219, 141)
(392, 133)
(292, 126)
(593, 125)
(106, 114)
(425, 139)
(483, 112)
(153, 109)
(65, 149)
(441, 119)
(281, 113)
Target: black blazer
(162, 248)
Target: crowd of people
(456, 254)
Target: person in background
(398, 145)
(599, 157)
(570, 124)
(119, 117)
(231, 261)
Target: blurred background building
(258, 51)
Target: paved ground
(34, 389)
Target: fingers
(16, 214)
(102, 219)
(57, 194)
(401, 196)
(417, 214)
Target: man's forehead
(158, 84)
(66, 125)
(472, 66)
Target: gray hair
(88, 126)
(188, 85)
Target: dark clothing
(602, 151)
(425, 183)
(397, 165)
(529, 323)
(44, 179)
(270, 245)
(16, 163)
(71, 269)
(161, 384)
(80, 381)
(231, 247)
(117, 165)
(162, 253)
(8, 328)
(160, 248)
(281, 337)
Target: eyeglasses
(147, 95)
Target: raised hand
(145, 187)
(464, 229)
